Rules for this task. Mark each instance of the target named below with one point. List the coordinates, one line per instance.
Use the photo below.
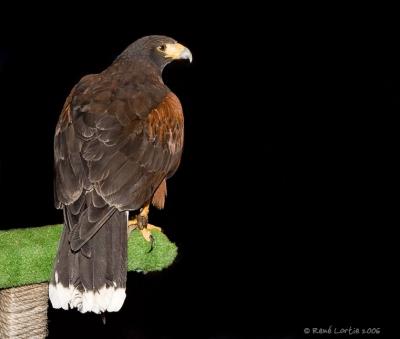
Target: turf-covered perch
(27, 255)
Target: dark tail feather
(92, 279)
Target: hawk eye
(162, 48)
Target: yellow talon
(152, 227)
(132, 224)
(143, 227)
(146, 234)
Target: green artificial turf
(26, 255)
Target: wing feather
(122, 141)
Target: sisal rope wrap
(23, 312)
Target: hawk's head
(160, 49)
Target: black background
(280, 207)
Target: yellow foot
(152, 227)
(147, 234)
(141, 222)
(145, 230)
(132, 224)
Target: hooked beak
(177, 51)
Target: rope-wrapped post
(23, 312)
(26, 261)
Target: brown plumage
(119, 137)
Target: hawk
(118, 139)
